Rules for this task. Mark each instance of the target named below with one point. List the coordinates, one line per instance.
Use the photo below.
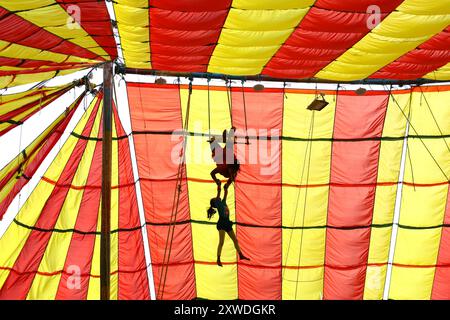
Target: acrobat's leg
(219, 246)
(236, 245)
(213, 176)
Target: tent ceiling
(323, 39)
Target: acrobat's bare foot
(219, 263)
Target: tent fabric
(16, 174)
(17, 108)
(321, 223)
(325, 39)
(55, 37)
(52, 248)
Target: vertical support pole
(105, 241)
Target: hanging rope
(420, 138)
(434, 118)
(245, 115)
(209, 111)
(230, 102)
(176, 201)
(306, 163)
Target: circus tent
(348, 202)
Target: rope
(176, 201)
(209, 111)
(434, 118)
(308, 152)
(230, 102)
(421, 140)
(245, 115)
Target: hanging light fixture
(258, 87)
(318, 103)
(160, 81)
(360, 91)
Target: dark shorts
(226, 226)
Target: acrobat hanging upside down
(226, 162)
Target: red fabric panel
(29, 168)
(158, 108)
(326, 32)
(95, 20)
(18, 283)
(429, 56)
(190, 28)
(33, 36)
(441, 284)
(133, 280)
(255, 203)
(355, 163)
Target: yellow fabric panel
(380, 238)
(389, 40)
(15, 237)
(375, 281)
(385, 195)
(17, 51)
(306, 244)
(420, 246)
(114, 216)
(443, 73)
(15, 101)
(254, 26)
(53, 18)
(417, 246)
(416, 202)
(205, 237)
(297, 119)
(133, 24)
(270, 4)
(273, 19)
(308, 287)
(411, 283)
(55, 254)
(5, 81)
(294, 201)
(94, 281)
(216, 284)
(36, 77)
(309, 247)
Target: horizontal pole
(124, 70)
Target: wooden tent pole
(105, 241)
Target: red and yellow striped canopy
(351, 202)
(324, 39)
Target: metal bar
(123, 70)
(105, 241)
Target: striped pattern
(302, 39)
(324, 39)
(59, 224)
(45, 38)
(318, 226)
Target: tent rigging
(176, 200)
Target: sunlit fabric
(326, 39)
(16, 174)
(318, 225)
(16, 108)
(44, 38)
(52, 248)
